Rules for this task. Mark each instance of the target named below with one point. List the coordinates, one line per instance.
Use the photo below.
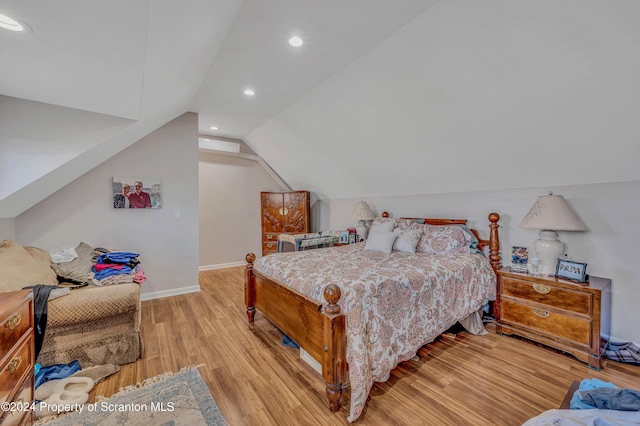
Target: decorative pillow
(18, 269)
(382, 224)
(406, 223)
(443, 239)
(79, 269)
(380, 241)
(406, 240)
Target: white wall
(609, 246)
(230, 221)
(83, 210)
(7, 229)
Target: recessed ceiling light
(295, 41)
(249, 92)
(12, 24)
(213, 128)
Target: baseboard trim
(221, 266)
(169, 293)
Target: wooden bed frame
(321, 332)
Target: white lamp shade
(554, 213)
(362, 212)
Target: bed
(370, 310)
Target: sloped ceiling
(384, 98)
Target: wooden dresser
(571, 317)
(16, 358)
(283, 213)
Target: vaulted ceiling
(391, 96)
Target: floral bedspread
(394, 303)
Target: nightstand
(16, 358)
(571, 317)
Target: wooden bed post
(494, 259)
(334, 364)
(249, 287)
(494, 241)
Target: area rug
(171, 399)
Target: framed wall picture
(574, 271)
(131, 192)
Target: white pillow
(380, 241)
(406, 240)
(379, 226)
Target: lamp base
(362, 231)
(548, 248)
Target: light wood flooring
(461, 380)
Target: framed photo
(574, 271)
(519, 258)
(353, 238)
(134, 192)
(344, 237)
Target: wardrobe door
(296, 212)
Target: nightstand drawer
(14, 327)
(15, 367)
(557, 297)
(548, 321)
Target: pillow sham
(407, 223)
(380, 241)
(443, 239)
(406, 240)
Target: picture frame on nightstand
(519, 259)
(353, 238)
(574, 271)
(344, 237)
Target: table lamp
(362, 213)
(551, 213)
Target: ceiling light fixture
(12, 24)
(295, 41)
(213, 128)
(249, 92)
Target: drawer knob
(269, 245)
(13, 321)
(541, 313)
(541, 288)
(14, 364)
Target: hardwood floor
(461, 380)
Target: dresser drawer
(23, 398)
(14, 368)
(14, 327)
(557, 297)
(269, 247)
(548, 321)
(273, 238)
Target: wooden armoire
(282, 213)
